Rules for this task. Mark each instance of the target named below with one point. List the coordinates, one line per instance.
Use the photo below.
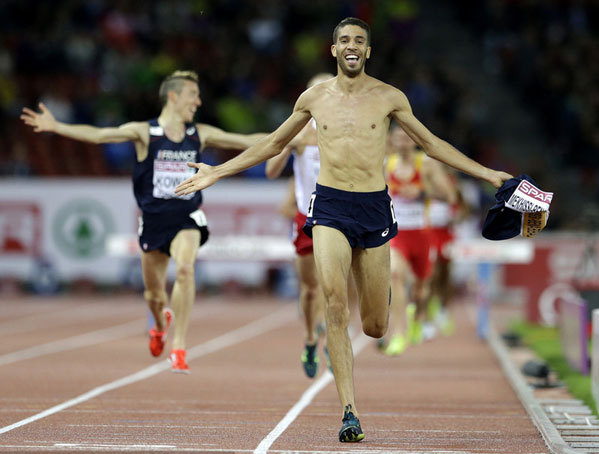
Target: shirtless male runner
(170, 225)
(350, 216)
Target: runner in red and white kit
(413, 179)
(442, 217)
(306, 165)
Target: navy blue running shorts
(366, 219)
(157, 231)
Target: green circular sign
(80, 228)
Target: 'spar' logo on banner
(80, 228)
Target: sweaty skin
(352, 113)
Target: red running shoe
(177, 358)
(158, 338)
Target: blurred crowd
(101, 62)
(548, 51)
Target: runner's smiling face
(351, 49)
(187, 101)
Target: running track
(76, 375)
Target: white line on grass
(304, 401)
(233, 337)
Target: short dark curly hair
(352, 21)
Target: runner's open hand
(43, 121)
(205, 176)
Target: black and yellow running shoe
(351, 431)
(310, 360)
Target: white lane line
(149, 447)
(246, 332)
(137, 447)
(82, 340)
(304, 401)
(151, 426)
(62, 447)
(98, 446)
(72, 343)
(588, 420)
(23, 322)
(47, 314)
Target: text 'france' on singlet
(156, 177)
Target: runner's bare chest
(350, 117)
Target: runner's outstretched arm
(217, 138)
(438, 148)
(275, 165)
(266, 148)
(45, 122)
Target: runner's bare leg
(184, 249)
(333, 257)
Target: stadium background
(511, 84)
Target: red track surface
(448, 395)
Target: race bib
(533, 223)
(527, 198)
(199, 217)
(167, 176)
(409, 215)
(439, 213)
